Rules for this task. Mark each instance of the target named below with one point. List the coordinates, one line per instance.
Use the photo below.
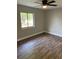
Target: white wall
(39, 22)
(45, 20)
(54, 21)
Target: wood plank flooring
(43, 46)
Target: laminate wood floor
(43, 46)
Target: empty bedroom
(39, 29)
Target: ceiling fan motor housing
(44, 2)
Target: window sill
(27, 27)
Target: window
(26, 19)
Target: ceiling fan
(46, 3)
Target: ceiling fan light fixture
(44, 6)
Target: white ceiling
(31, 3)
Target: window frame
(27, 19)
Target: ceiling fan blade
(52, 4)
(51, 1)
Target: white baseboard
(54, 34)
(30, 36)
(37, 34)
